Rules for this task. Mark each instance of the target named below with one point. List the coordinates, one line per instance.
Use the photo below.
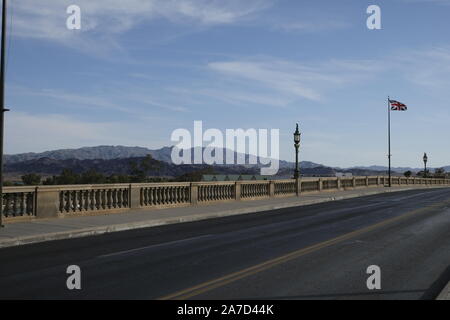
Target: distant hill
(120, 152)
(396, 169)
(99, 152)
(115, 159)
(49, 167)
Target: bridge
(277, 239)
(62, 201)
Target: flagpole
(389, 141)
(2, 104)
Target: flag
(397, 106)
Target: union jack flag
(397, 106)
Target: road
(320, 251)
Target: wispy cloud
(313, 26)
(426, 68)
(305, 80)
(106, 19)
(107, 102)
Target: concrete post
(135, 196)
(339, 186)
(271, 188)
(320, 184)
(378, 180)
(194, 193)
(367, 181)
(47, 202)
(237, 190)
(354, 182)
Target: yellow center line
(219, 282)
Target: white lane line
(152, 246)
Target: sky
(139, 69)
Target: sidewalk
(20, 233)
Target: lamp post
(425, 160)
(297, 171)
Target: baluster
(168, 195)
(151, 199)
(108, 199)
(172, 195)
(119, 198)
(91, 199)
(22, 203)
(81, 200)
(87, 200)
(146, 196)
(66, 201)
(73, 207)
(13, 203)
(175, 195)
(115, 198)
(158, 195)
(6, 208)
(29, 203)
(97, 202)
(163, 195)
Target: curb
(154, 223)
(445, 293)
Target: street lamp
(297, 146)
(425, 160)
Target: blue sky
(139, 69)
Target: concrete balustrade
(69, 200)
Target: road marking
(151, 246)
(222, 281)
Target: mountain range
(116, 159)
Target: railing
(164, 194)
(19, 202)
(79, 199)
(216, 191)
(347, 183)
(68, 200)
(255, 189)
(284, 187)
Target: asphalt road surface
(314, 252)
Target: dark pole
(425, 159)
(389, 140)
(2, 105)
(425, 172)
(297, 136)
(297, 145)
